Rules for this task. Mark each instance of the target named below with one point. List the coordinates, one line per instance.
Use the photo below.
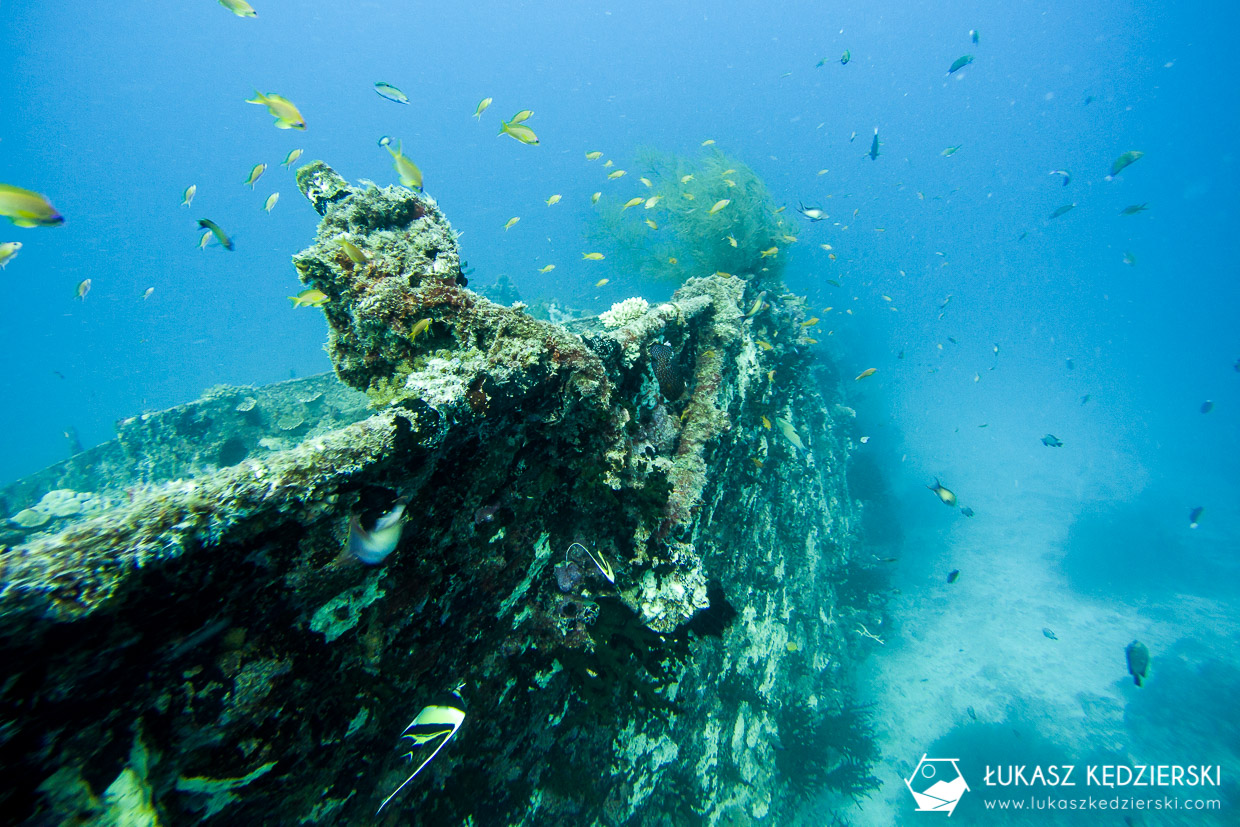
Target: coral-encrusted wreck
(189, 644)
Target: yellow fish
(271, 201)
(286, 115)
(291, 158)
(546, 269)
(865, 373)
(555, 199)
(646, 181)
(826, 247)
(810, 341)
(684, 179)
(187, 197)
(727, 172)
(632, 202)
(764, 345)
(766, 423)
(419, 328)
(790, 239)
(729, 182)
(205, 240)
(673, 261)
(601, 282)
(651, 224)
(593, 256)
(810, 322)
(482, 107)
(719, 205)
(410, 175)
(769, 252)
(7, 251)
(617, 174)
(355, 253)
(511, 222)
(27, 209)
(239, 8)
(519, 131)
(608, 164)
(255, 174)
(708, 142)
(688, 196)
(83, 288)
(522, 116)
(652, 200)
(309, 298)
(595, 197)
(757, 305)
(730, 240)
(593, 156)
(723, 274)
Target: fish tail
(1136, 679)
(258, 98)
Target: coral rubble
(205, 608)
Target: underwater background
(990, 324)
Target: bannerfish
(671, 380)
(1052, 441)
(1194, 516)
(812, 213)
(1138, 661)
(944, 494)
(373, 546)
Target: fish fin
(1136, 679)
(258, 98)
(24, 222)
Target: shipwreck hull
(192, 645)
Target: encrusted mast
(197, 638)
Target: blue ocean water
(112, 110)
